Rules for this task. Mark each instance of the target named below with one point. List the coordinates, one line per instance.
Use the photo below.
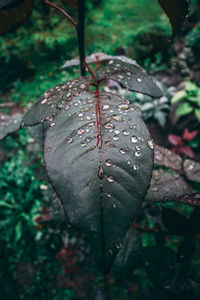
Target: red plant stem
(98, 124)
(91, 73)
(64, 13)
(96, 67)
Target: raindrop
(80, 131)
(80, 115)
(137, 153)
(70, 140)
(49, 149)
(83, 144)
(88, 139)
(120, 76)
(110, 179)
(44, 101)
(137, 148)
(109, 126)
(110, 62)
(52, 124)
(109, 163)
(125, 132)
(135, 167)
(118, 245)
(109, 144)
(116, 137)
(46, 95)
(150, 144)
(123, 106)
(139, 80)
(88, 118)
(128, 162)
(117, 118)
(101, 172)
(82, 86)
(117, 131)
(134, 139)
(128, 73)
(122, 151)
(109, 195)
(106, 107)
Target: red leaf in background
(187, 151)
(175, 140)
(189, 136)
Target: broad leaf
(125, 260)
(184, 109)
(13, 13)
(176, 10)
(131, 76)
(166, 186)
(54, 100)
(38, 131)
(166, 158)
(192, 170)
(100, 179)
(9, 124)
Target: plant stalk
(81, 35)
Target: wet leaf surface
(97, 57)
(192, 170)
(166, 186)
(130, 76)
(9, 124)
(176, 10)
(37, 132)
(54, 100)
(100, 198)
(166, 158)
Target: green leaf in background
(197, 113)
(100, 188)
(176, 10)
(184, 109)
(131, 76)
(180, 95)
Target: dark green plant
(98, 152)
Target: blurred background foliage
(39, 258)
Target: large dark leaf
(54, 100)
(166, 186)
(9, 123)
(176, 10)
(13, 13)
(101, 185)
(124, 263)
(38, 131)
(131, 76)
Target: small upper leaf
(131, 76)
(177, 11)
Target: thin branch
(81, 34)
(91, 73)
(64, 13)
